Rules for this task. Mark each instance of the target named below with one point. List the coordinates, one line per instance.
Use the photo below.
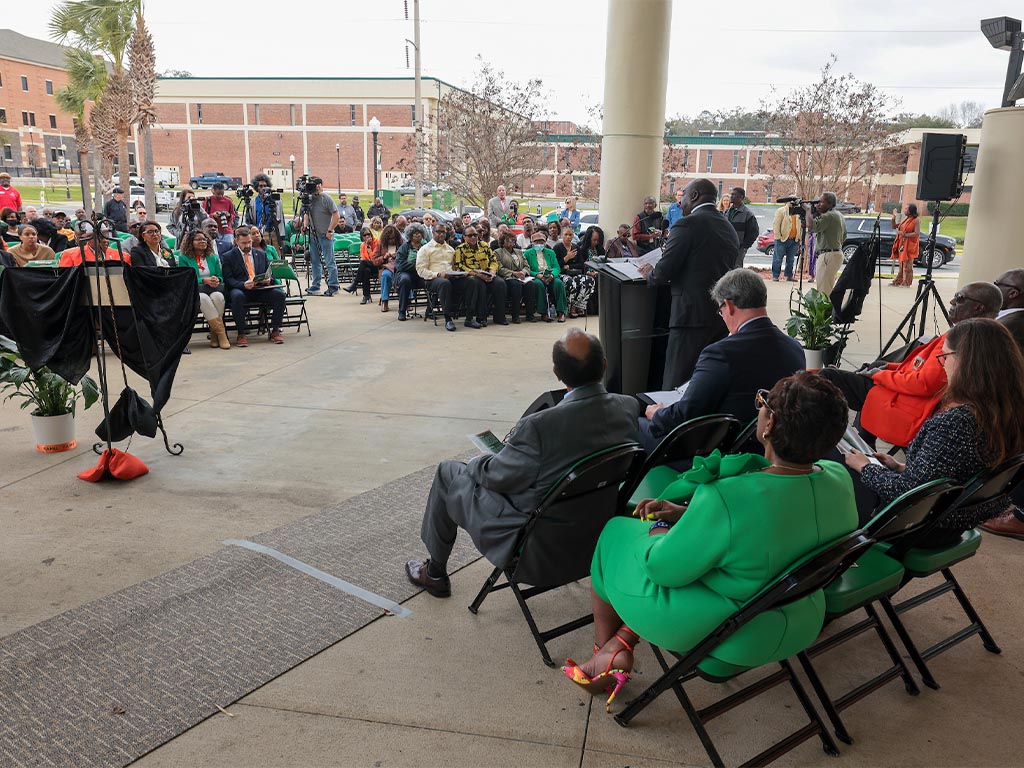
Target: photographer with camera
(830, 227)
(186, 215)
(262, 209)
(220, 208)
(319, 217)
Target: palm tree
(142, 60)
(87, 76)
(104, 27)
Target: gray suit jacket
(495, 210)
(493, 495)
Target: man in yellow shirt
(788, 231)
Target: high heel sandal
(610, 680)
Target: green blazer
(530, 254)
(213, 260)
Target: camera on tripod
(191, 207)
(796, 205)
(245, 192)
(306, 186)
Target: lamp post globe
(337, 150)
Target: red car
(766, 242)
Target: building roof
(14, 45)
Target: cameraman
(324, 214)
(830, 228)
(219, 207)
(266, 213)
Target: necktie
(248, 264)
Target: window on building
(785, 162)
(412, 109)
(199, 113)
(686, 159)
(735, 160)
(24, 83)
(291, 113)
(3, 115)
(49, 87)
(760, 160)
(707, 167)
(352, 114)
(256, 114)
(1, 81)
(547, 156)
(8, 152)
(53, 155)
(719, 187)
(131, 159)
(53, 121)
(24, 118)
(590, 159)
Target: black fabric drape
(40, 309)
(853, 285)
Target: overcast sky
(723, 54)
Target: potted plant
(53, 397)
(811, 324)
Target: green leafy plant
(811, 322)
(52, 395)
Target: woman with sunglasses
(199, 252)
(977, 426)
(721, 532)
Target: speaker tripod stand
(909, 327)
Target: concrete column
(991, 243)
(635, 82)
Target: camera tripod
(908, 328)
(305, 214)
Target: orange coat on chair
(905, 395)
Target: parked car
(207, 180)
(444, 216)
(410, 189)
(133, 179)
(845, 206)
(589, 220)
(860, 229)
(474, 211)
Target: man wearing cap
(116, 210)
(219, 207)
(360, 216)
(9, 196)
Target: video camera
(796, 205)
(191, 207)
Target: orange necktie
(248, 264)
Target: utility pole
(418, 175)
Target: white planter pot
(813, 359)
(54, 433)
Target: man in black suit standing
(241, 265)
(729, 372)
(701, 247)
(1011, 285)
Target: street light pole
(337, 149)
(64, 164)
(375, 130)
(291, 159)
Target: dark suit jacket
(493, 494)
(701, 248)
(730, 371)
(1015, 324)
(233, 267)
(142, 256)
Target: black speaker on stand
(939, 178)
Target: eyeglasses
(942, 358)
(960, 298)
(199, 237)
(761, 400)
(472, 235)
(1011, 286)
(720, 308)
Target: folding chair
(871, 578)
(919, 563)
(556, 545)
(696, 437)
(801, 580)
(283, 271)
(745, 440)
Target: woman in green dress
(671, 578)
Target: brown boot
(219, 333)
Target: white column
(635, 81)
(991, 244)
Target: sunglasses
(761, 400)
(1010, 286)
(960, 298)
(474, 235)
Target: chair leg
(826, 701)
(890, 647)
(534, 630)
(908, 643)
(828, 744)
(485, 590)
(961, 596)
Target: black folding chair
(801, 579)
(745, 440)
(872, 577)
(696, 437)
(557, 542)
(920, 562)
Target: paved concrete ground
(275, 433)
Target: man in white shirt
(433, 263)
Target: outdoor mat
(107, 682)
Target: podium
(633, 326)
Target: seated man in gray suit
(492, 496)
(753, 356)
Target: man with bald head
(1011, 286)
(493, 495)
(701, 247)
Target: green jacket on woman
(212, 261)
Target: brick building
(242, 126)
